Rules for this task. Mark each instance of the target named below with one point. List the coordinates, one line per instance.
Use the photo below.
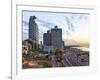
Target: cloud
(70, 23)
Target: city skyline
(75, 26)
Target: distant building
(48, 49)
(56, 38)
(53, 39)
(47, 38)
(78, 56)
(41, 45)
(83, 58)
(47, 42)
(33, 32)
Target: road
(66, 61)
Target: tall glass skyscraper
(33, 32)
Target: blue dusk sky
(75, 26)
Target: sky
(75, 26)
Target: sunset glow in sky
(75, 26)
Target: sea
(82, 48)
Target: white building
(48, 49)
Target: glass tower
(33, 32)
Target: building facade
(56, 38)
(53, 40)
(47, 42)
(47, 38)
(33, 32)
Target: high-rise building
(47, 38)
(47, 42)
(33, 32)
(56, 38)
(53, 39)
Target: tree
(58, 57)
